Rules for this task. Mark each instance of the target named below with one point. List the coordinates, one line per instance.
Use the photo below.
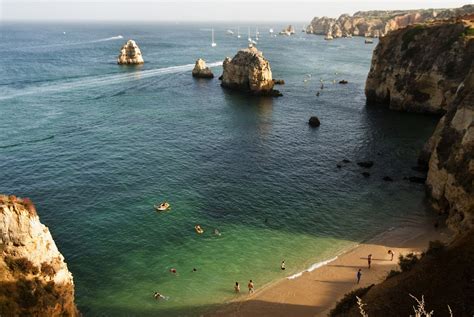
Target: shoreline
(316, 290)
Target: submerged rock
(366, 174)
(343, 82)
(278, 81)
(249, 71)
(130, 54)
(366, 164)
(387, 179)
(201, 70)
(32, 268)
(314, 122)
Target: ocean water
(95, 145)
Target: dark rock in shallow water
(314, 122)
(343, 82)
(366, 164)
(387, 179)
(339, 165)
(416, 179)
(346, 161)
(366, 174)
(278, 81)
(220, 77)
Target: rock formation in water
(130, 54)
(379, 23)
(289, 30)
(419, 68)
(429, 68)
(34, 279)
(201, 70)
(249, 71)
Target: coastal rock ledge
(201, 70)
(249, 72)
(34, 279)
(130, 54)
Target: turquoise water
(95, 145)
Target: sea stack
(201, 70)
(249, 72)
(34, 279)
(289, 30)
(429, 69)
(130, 54)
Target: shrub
(348, 301)
(47, 269)
(407, 262)
(392, 273)
(435, 247)
(22, 265)
(410, 35)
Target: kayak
(162, 207)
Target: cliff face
(130, 54)
(248, 71)
(34, 279)
(419, 68)
(379, 23)
(429, 69)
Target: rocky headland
(429, 69)
(248, 71)
(379, 23)
(130, 54)
(34, 279)
(201, 70)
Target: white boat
(249, 38)
(256, 34)
(238, 32)
(230, 32)
(162, 207)
(213, 44)
(271, 31)
(368, 41)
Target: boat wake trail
(26, 142)
(118, 37)
(97, 81)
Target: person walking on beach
(359, 274)
(237, 287)
(282, 266)
(250, 286)
(369, 259)
(391, 254)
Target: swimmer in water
(158, 296)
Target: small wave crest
(312, 268)
(101, 80)
(26, 142)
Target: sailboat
(256, 34)
(238, 32)
(213, 44)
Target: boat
(162, 207)
(256, 34)
(238, 32)
(328, 37)
(271, 31)
(213, 44)
(230, 32)
(368, 41)
(198, 229)
(249, 38)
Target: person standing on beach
(369, 259)
(359, 274)
(237, 287)
(391, 254)
(250, 286)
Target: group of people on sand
(369, 264)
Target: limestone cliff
(379, 23)
(201, 70)
(34, 279)
(429, 69)
(130, 54)
(419, 68)
(249, 71)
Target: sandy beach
(315, 293)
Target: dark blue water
(95, 145)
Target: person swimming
(217, 232)
(173, 270)
(237, 287)
(282, 266)
(158, 296)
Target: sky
(195, 11)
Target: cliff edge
(34, 279)
(429, 69)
